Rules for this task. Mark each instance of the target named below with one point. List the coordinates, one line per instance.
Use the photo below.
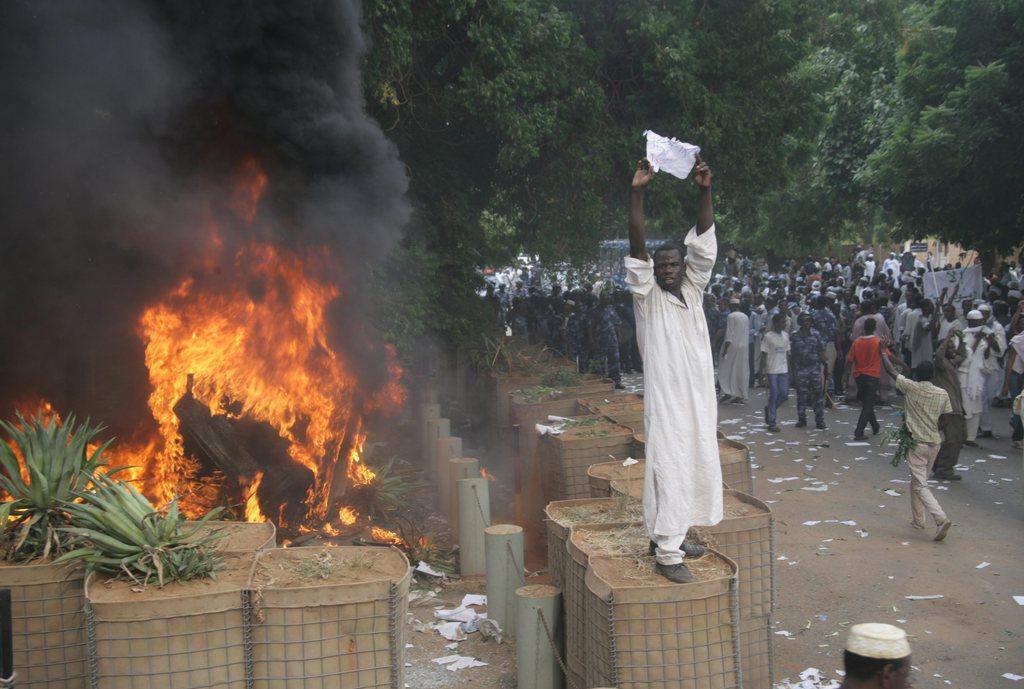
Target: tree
(950, 163)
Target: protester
(866, 358)
(733, 372)
(948, 358)
(876, 656)
(775, 349)
(683, 477)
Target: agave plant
(116, 530)
(57, 464)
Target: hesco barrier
(240, 537)
(735, 460)
(644, 632)
(330, 617)
(530, 406)
(48, 625)
(601, 476)
(565, 457)
(583, 543)
(181, 636)
(747, 536)
(562, 515)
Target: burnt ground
(830, 575)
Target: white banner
(970, 281)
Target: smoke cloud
(124, 124)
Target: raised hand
(643, 175)
(702, 174)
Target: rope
(480, 507)
(512, 556)
(554, 650)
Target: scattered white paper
(451, 630)
(1012, 677)
(983, 565)
(548, 430)
(473, 599)
(428, 570)
(629, 461)
(997, 457)
(671, 155)
(459, 614)
(457, 662)
(858, 444)
(1019, 600)
(811, 523)
(817, 489)
(930, 597)
(783, 632)
(780, 480)
(890, 491)
(849, 522)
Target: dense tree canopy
(520, 122)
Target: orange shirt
(866, 356)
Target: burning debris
(191, 225)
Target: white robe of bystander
(734, 370)
(683, 478)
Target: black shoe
(620, 386)
(828, 404)
(677, 574)
(691, 548)
(774, 429)
(725, 399)
(801, 422)
(971, 443)
(820, 425)
(859, 436)
(875, 428)
(985, 434)
(947, 477)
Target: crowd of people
(816, 326)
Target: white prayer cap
(985, 307)
(1014, 294)
(978, 302)
(734, 301)
(876, 640)
(974, 315)
(816, 284)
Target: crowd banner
(969, 279)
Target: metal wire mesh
(756, 656)
(735, 460)
(48, 626)
(204, 650)
(668, 644)
(748, 541)
(566, 462)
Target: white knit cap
(876, 640)
(985, 307)
(974, 315)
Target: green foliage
(115, 530)
(561, 379)
(58, 463)
(950, 164)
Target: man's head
(869, 326)
(924, 371)
(669, 266)
(877, 656)
(949, 311)
(734, 304)
(927, 307)
(974, 318)
(805, 321)
(779, 322)
(986, 311)
(868, 307)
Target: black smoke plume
(122, 124)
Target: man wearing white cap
(994, 374)
(734, 371)
(877, 656)
(982, 360)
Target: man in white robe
(734, 370)
(683, 478)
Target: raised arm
(637, 239)
(705, 212)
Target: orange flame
(253, 513)
(348, 516)
(486, 474)
(384, 536)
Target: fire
(384, 536)
(253, 513)
(348, 516)
(486, 474)
(252, 339)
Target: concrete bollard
(458, 468)
(427, 411)
(474, 517)
(538, 625)
(445, 448)
(503, 544)
(436, 428)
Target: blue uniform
(606, 342)
(808, 351)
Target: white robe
(734, 371)
(683, 478)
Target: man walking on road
(808, 352)
(683, 478)
(775, 362)
(948, 358)
(865, 355)
(733, 372)
(926, 410)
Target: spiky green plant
(117, 531)
(58, 464)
